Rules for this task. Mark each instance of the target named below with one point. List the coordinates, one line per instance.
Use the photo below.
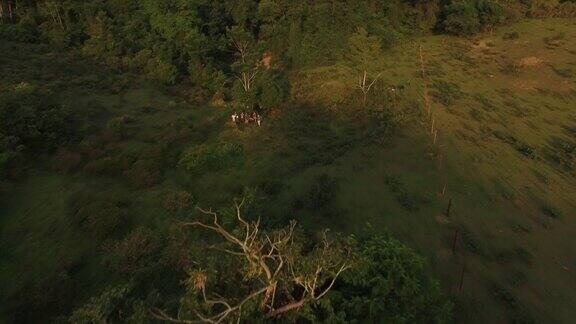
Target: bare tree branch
(274, 259)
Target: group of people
(247, 118)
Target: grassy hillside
(504, 110)
(504, 161)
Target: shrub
(273, 90)
(10, 163)
(446, 92)
(103, 308)
(118, 127)
(97, 216)
(511, 68)
(562, 152)
(469, 17)
(154, 67)
(462, 18)
(103, 167)
(565, 73)
(511, 36)
(526, 150)
(552, 212)
(133, 253)
(389, 284)
(212, 157)
(35, 120)
(320, 193)
(555, 40)
(407, 200)
(50, 296)
(177, 200)
(25, 33)
(65, 161)
(491, 13)
(517, 313)
(144, 173)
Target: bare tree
(1, 11)
(276, 267)
(365, 85)
(55, 11)
(7, 11)
(244, 45)
(364, 52)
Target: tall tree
(364, 53)
(247, 64)
(278, 274)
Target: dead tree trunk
(425, 81)
(365, 86)
(11, 10)
(246, 77)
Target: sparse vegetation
(213, 157)
(446, 92)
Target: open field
(504, 161)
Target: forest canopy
(196, 40)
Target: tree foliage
(278, 272)
(469, 17)
(389, 284)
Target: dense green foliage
(196, 40)
(170, 40)
(390, 285)
(30, 121)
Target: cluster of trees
(242, 48)
(30, 121)
(234, 48)
(468, 17)
(246, 272)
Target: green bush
(212, 157)
(511, 36)
(97, 215)
(34, 120)
(103, 167)
(273, 90)
(511, 68)
(177, 200)
(144, 173)
(551, 211)
(65, 161)
(389, 284)
(103, 308)
(469, 17)
(462, 18)
(321, 192)
(19, 33)
(10, 163)
(133, 253)
(119, 127)
(446, 92)
(49, 296)
(562, 152)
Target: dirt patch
(526, 84)
(481, 44)
(530, 61)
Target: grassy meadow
(503, 164)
